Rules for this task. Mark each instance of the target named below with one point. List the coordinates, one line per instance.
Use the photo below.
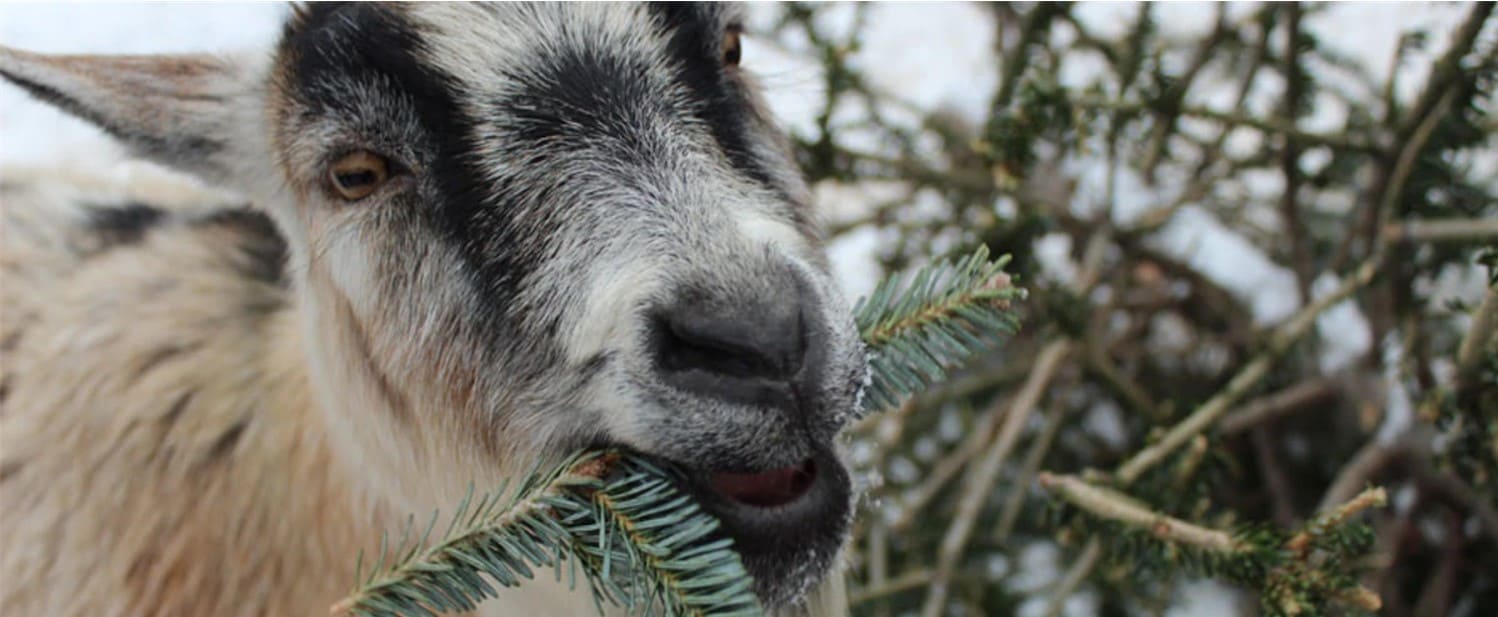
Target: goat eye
(358, 174)
(731, 50)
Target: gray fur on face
(567, 173)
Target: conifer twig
(618, 518)
(1284, 584)
(1112, 505)
(918, 328)
(1375, 497)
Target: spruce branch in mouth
(622, 520)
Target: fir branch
(619, 518)
(1296, 574)
(1375, 497)
(919, 328)
(616, 516)
(500, 534)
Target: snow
(1204, 598)
(1344, 331)
(953, 66)
(1230, 260)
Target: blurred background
(1259, 242)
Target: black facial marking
(331, 46)
(122, 224)
(263, 250)
(581, 97)
(575, 96)
(696, 45)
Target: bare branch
(1263, 409)
(1112, 505)
(1280, 341)
(1445, 230)
(1077, 573)
(981, 479)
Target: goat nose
(749, 351)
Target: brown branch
(1479, 336)
(1133, 395)
(1457, 492)
(1440, 587)
(913, 579)
(1077, 573)
(1112, 505)
(981, 479)
(1300, 252)
(879, 561)
(1443, 230)
(1034, 457)
(948, 467)
(1446, 70)
(1273, 126)
(1170, 101)
(1356, 474)
(1036, 24)
(1283, 336)
(1274, 476)
(1266, 408)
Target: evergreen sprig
(1305, 573)
(616, 517)
(619, 518)
(920, 327)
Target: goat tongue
(765, 489)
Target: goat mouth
(788, 524)
(765, 489)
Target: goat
(432, 245)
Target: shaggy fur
(213, 400)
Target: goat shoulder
(155, 402)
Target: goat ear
(186, 111)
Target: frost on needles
(616, 520)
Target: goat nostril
(757, 343)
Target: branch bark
(1112, 505)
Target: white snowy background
(936, 55)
